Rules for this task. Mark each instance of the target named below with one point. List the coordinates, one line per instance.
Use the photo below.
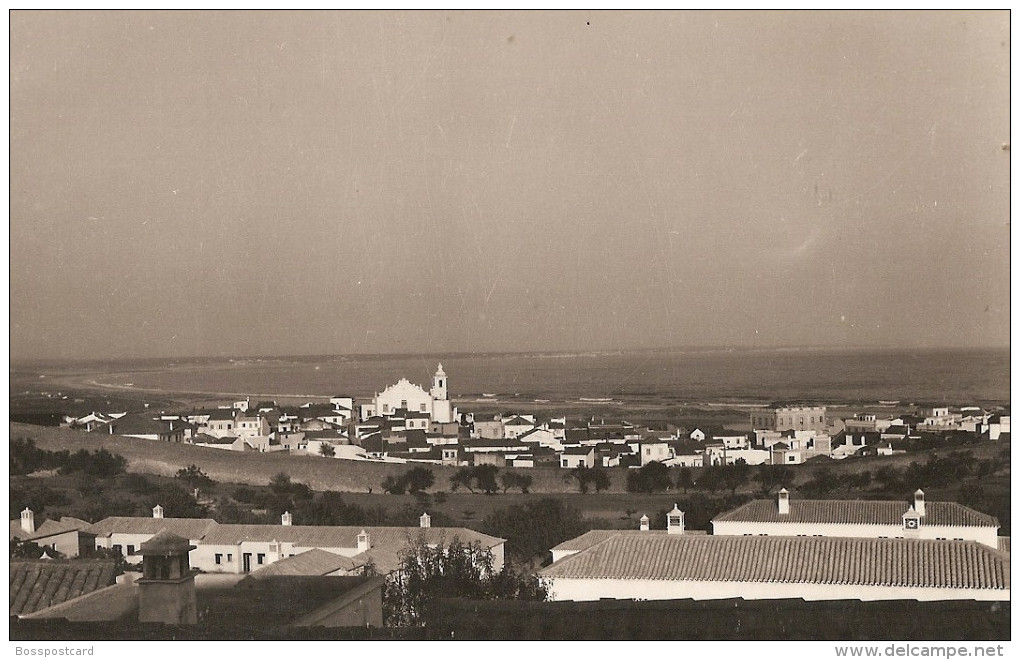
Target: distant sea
(922, 376)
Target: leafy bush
(428, 573)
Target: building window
(230, 557)
(565, 463)
(219, 559)
(423, 407)
(403, 403)
(386, 407)
(131, 550)
(261, 558)
(117, 548)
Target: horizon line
(540, 352)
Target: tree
(99, 464)
(710, 479)
(773, 476)
(516, 480)
(30, 550)
(418, 479)
(586, 476)
(684, 479)
(736, 475)
(394, 485)
(532, 529)
(280, 483)
(485, 478)
(25, 457)
(462, 477)
(176, 503)
(249, 495)
(137, 484)
(194, 477)
(823, 481)
(653, 477)
(580, 475)
(430, 572)
(601, 480)
(327, 450)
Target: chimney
(425, 520)
(287, 519)
(364, 541)
(675, 521)
(157, 511)
(784, 502)
(28, 521)
(919, 502)
(644, 523)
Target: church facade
(406, 397)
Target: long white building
(837, 556)
(229, 548)
(859, 518)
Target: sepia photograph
(471, 326)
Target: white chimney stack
(28, 521)
(784, 502)
(157, 511)
(287, 519)
(919, 502)
(425, 520)
(644, 523)
(364, 541)
(675, 521)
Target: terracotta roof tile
(117, 601)
(38, 584)
(48, 528)
(312, 562)
(189, 528)
(814, 560)
(856, 512)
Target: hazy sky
(270, 183)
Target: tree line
(26, 458)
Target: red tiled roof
(48, 528)
(812, 560)
(115, 602)
(311, 562)
(596, 536)
(188, 528)
(857, 512)
(38, 584)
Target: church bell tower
(442, 407)
(439, 392)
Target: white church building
(406, 397)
